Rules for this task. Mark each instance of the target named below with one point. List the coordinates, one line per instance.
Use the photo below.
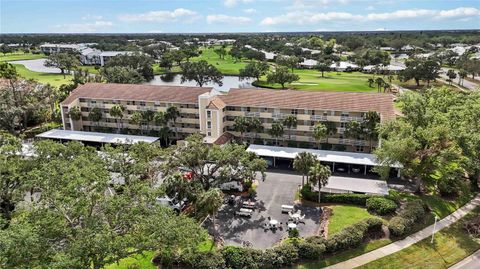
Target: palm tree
(319, 174)
(331, 128)
(371, 119)
(136, 118)
(95, 115)
(370, 82)
(209, 203)
(255, 125)
(379, 82)
(319, 132)
(74, 113)
(353, 129)
(164, 133)
(240, 125)
(290, 122)
(302, 163)
(117, 111)
(172, 114)
(386, 87)
(147, 117)
(276, 131)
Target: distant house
(408, 48)
(312, 51)
(309, 63)
(390, 68)
(89, 56)
(342, 66)
(49, 48)
(387, 49)
(268, 55)
(105, 56)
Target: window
(209, 124)
(325, 113)
(359, 149)
(294, 112)
(343, 124)
(209, 113)
(142, 103)
(313, 112)
(209, 133)
(344, 114)
(265, 109)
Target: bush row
(345, 198)
(285, 254)
(381, 205)
(412, 212)
(353, 235)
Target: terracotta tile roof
(136, 92)
(290, 99)
(224, 138)
(216, 103)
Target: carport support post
(365, 171)
(274, 165)
(349, 169)
(333, 167)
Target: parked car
(172, 203)
(231, 186)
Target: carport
(364, 160)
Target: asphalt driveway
(278, 189)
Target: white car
(172, 203)
(231, 186)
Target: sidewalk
(408, 241)
(470, 262)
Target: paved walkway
(470, 262)
(408, 241)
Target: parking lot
(278, 189)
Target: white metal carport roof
(323, 155)
(96, 137)
(338, 184)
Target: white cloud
(307, 17)
(92, 17)
(400, 14)
(459, 13)
(303, 18)
(83, 27)
(161, 16)
(220, 18)
(381, 29)
(250, 10)
(154, 31)
(232, 3)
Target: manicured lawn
(19, 56)
(450, 246)
(139, 260)
(345, 215)
(52, 79)
(311, 80)
(345, 255)
(227, 66)
(91, 69)
(143, 261)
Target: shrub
(381, 205)
(473, 227)
(396, 226)
(238, 257)
(310, 250)
(204, 260)
(346, 198)
(353, 235)
(308, 194)
(287, 254)
(408, 215)
(293, 233)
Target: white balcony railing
(318, 117)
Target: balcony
(318, 117)
(347, 118)
(279, 116)
(252, 114)
(340, 130)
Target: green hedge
(343, 198)
(412, 212)
(381, 205)
(353, 235)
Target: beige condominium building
(211, 113)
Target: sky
(210, 16)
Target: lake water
(228, 82)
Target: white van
(231, 186)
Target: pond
(228, 82)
